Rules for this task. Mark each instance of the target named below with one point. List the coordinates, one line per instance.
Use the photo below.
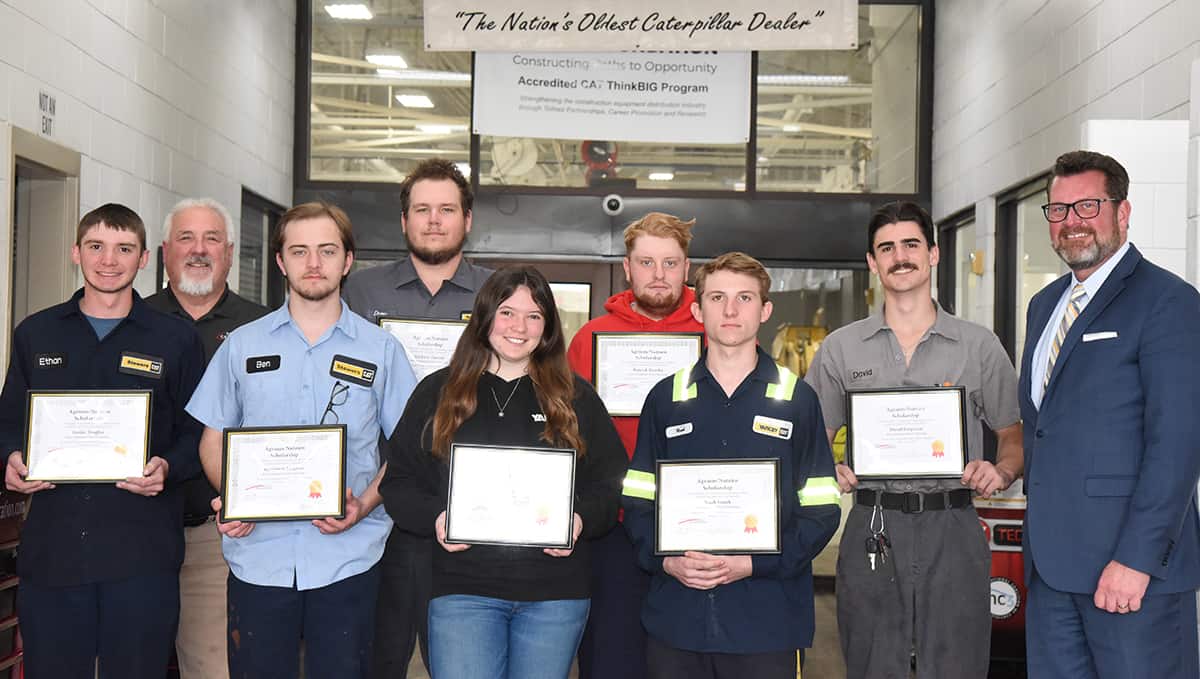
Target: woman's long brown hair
(553, 380)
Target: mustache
(200, 259)
(903, 266)
(1066, 233)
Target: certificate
(626, 365)
(906, 433)
(283, 473)
(717, 506)
(511, 496)
(428, 343)
(87, 436)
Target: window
(255, 268)
(1033, 264)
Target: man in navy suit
(1110, 383)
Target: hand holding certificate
(906, 433)
(629, 364)
(283, 473)
(717, 506)
(87, 436)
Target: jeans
(475, 637)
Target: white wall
(164, 99)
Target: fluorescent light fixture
(763, 159)
(660, 176)
(433, 128)
(389, 73)
(791, 128)
(414, 100)
(387, 60)
(350, 11)
(424, 75)
(803, 79)
(739, 186)
(464, 168)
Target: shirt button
(899, 357)
(83, 535)
(724, 442)
(908, 486)
(87, 496)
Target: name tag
(262, 364)
(769, 426)
(353, 370)
(141, 365)
(1093, 336)
(50, 360)
(679, 430)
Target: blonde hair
(662, 225)
(737, 262)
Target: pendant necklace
(510, 396)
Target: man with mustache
(197, 256)
(433, 282)
(1109, 385)
(930, 595)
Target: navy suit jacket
(1112, 457)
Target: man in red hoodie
(656, 266)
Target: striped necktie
(1074, 306)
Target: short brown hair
(1116, 179)
(662, 225)
(436, 168)
(737, 262)
(314, 210)
(114, 216)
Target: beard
(658, 304)
(197, 287)
(1080, 257)
(432, 256)
(314, 293)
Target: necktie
(1074, 306)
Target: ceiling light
(425, 75)
(387, 59)
(414, 100)
(803, 79)
(433, 128)
(791, 128)
(763, 159)
(389, 73)
(464, 168)
(350, 11)
(661, 176)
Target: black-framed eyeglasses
(337, 397)
(1085, 209)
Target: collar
(283, 316)
(219, 309)
(943, 324)
(404, 273)
(137, 312)
(765, 370)
(1092, 285)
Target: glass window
(970, 264)
(808, 305)
(259, 216)
(1039, 264)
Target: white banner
(615, 25)
(652, 97)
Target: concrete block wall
(163, 99)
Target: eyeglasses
(337, 397)
(1085, 209)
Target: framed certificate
(283, 473)
(717, 506)
(511, 496)
(907, 433)
(626, 365)
(428, 343)
(87, 436)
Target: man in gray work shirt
(930, 595)
(433, 282)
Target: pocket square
(1093, 336)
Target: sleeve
(639, 487)
(183, 454)
(825, 378)
(1000, 407)
(216, 402)
(812, 511)
(13, 402)
(598, 487)
(579, 354)
(1170, 462)
(411, 486)
(397, 387)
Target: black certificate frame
(658, 499)
(32, 394)
(610, 334)
(227, 434)
(916, 474)
(569, 539)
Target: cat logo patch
(769, 426)
(464, 316)
(353, 370)
(141, 365)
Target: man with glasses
(312, 361)
(1110, 380)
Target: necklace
(512, 393)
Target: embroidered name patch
(262, 364)
(140, 364)
(679, 430)
(769, 426)
(50, 360)
(353, 370)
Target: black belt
(193, 520)
(915, 503)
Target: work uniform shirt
(267, 374)
(231, 311)
(953, 352)
(396, 290)
(770, 415)
(95, 532)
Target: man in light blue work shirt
(312, 361)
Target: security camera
(613, 205)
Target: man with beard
(312, 361)
(929, 593)
(433, 282)
(99, 562)
(656, 266)
(1110, 380)
(197, 255)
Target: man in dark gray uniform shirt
(433, 282)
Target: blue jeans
(476, 637)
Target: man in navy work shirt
(733, 616)
(312, 361)
(99, 563)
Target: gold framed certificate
(283, 473)
(626, 365)
(515, 496)
(86, 435)
(717, 506)
(428, 343)
(906, 433)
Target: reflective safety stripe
(681, 390)
(638, 484)
(820, 490)
(786, 386)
